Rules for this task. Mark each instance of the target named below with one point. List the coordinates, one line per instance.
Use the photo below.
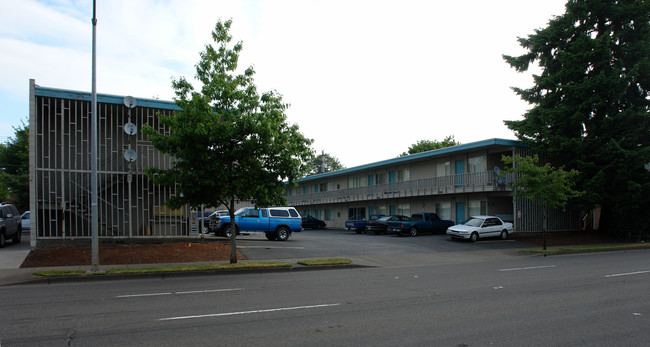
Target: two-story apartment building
(454, 182)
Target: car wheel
(2, 239)
(18, 236)
(228, 231)
(413, 231)
(271, 236)
(282, 234)
(504, 234)
(473, 237)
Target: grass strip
(588, 248)
(325, 261)
(171, 268)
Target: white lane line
(528, 268)
(179, 293)
(629, 273)
(209, 291)
(138, 295)
(247, 312)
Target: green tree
(547, 186)
(14, 168)
(428, 145)
(228, 142)
(324, 163)
(590, 105)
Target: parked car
(479, 227)
(420, 223)
(312, 223)
(358, 223)
(10, 225)
(380, 225)
(214, 215)
(25, 220)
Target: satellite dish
(130, 102)
(130, 155)
(130, 128)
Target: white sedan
(480, 227)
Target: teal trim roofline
(427, 154)
(103, 98)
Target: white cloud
(366, 79)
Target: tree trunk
(233, 234)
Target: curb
(178, 274)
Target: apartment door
(460, 170)
(460, 212)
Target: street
(595, 299)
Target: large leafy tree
(324, 163)
(590, 105)
(428, 145)
(228, 141)
(547, 186)
(14, 168)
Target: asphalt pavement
(13, 255)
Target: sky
(365, 79)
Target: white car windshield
(474, 222)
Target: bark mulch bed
(132, 254)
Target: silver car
(481, 227)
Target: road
(595, 299)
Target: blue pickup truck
(358, 223)
(420, 223)
(276, 222)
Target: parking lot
(347, 243)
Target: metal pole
(93, 156)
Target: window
(477, 164)
(381, 209)
(279, 213)
(356, 182)
(404, 209)
(443, 169)
(252, 213)
(403, 175)
(381, 178)
(357, 212)
(477, 207)
(443, 210)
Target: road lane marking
(629, 273)
(528, 268)
(248, 312)
(178, 293)
(275, 247)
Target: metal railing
(452, 184)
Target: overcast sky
(365, 79)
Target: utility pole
(93, 156)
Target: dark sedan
(379, 226)
(312, 223)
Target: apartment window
(359, 212)
(477, 207)
(381, 209)
(443, 210)
(404, 209)
(477, 164)
(327, 214)
(443, 169)
(356, 182)
(403, 175)
(392, 210)
(381, 178)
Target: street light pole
(93, 157)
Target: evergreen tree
(324, 163)
(590, 105)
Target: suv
(10, 226)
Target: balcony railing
(453, 184)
